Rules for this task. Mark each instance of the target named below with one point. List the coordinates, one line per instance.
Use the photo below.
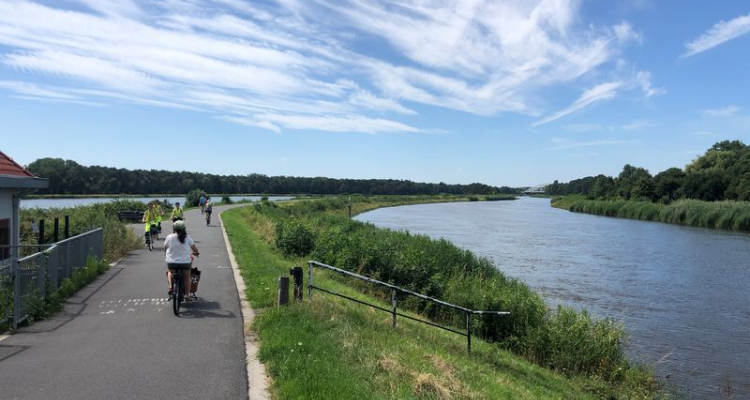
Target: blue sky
(513, 93)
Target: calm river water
(80, 201)
(682, 293)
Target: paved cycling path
(117, 338)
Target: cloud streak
(604, 91)
(720, 33)
(361, 66)
(722, 112)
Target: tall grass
(334, 349)
(118, 237)
(565, 340)
(727, 214)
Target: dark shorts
(179, 266)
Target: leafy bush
(192, 199)
(294, 239)
(226, 199)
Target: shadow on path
(204, 309)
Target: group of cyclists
(179, 247)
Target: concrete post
(283, 290)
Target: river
(84, 201)
(682, 293)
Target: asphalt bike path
(117, 338)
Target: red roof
(12, 168)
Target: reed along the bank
(727, 214)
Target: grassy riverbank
(534, 353)
(729, 215)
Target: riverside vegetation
(727, 214)
(713, 191)
(335, 349)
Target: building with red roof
(14, 181)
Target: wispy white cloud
(368, 100)
(639, 125)
(604, 91)
(607, 91)
(352, 123)
(295, 64)
(587, 127)
(567, 144)
(34, 90)
(116, 8)
(722, 112)
(643, 80)
(721, 32)
(626, 33)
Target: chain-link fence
(40, 274)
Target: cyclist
(177, 249)
(149, 218)
(176, 212)
(159, 213)
(202, 202)
(209, 210)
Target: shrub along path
(118, 339)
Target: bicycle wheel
(176, 298)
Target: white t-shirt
(178, 253)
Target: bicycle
(178, 289)
(208, 218)
(178, 294)
(152, 234)
(149, 242)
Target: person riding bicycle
(209, 210)
(159, 213)
(202, 202)
(176, 213)
(149, 218)
(177, 249)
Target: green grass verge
(332, 349)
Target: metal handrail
(394, 300)
(45, 271)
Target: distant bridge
(536, 189)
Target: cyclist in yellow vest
(176, 212)
(149, 218)
(159, 213)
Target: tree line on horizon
(69, 177)
(722, 173)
